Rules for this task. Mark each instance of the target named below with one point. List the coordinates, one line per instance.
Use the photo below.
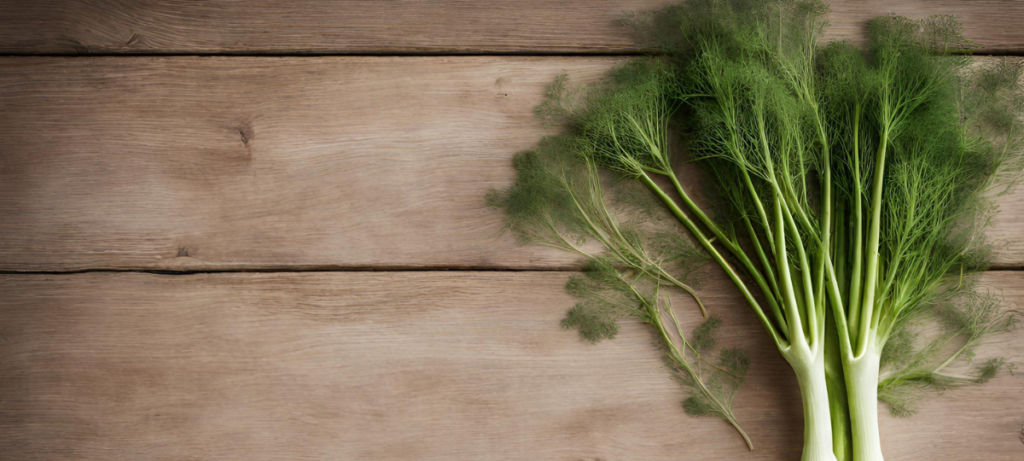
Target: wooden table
(256, 231)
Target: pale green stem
(787, 278)
(862, 391)
(871, 269)
(766, 264)
(839, 407)
(810, 374)
(759, 206)
(825, 241)
(796, 330)
(812, 317)
(837, 349)
(856, 272)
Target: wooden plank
(192, 163)
(399, 366)
(369, 26)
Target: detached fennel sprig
(606, 292)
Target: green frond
(703, 336)
(914, 368)
(699, 405)
(593, 323)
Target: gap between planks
(360, 269)
(397, 54)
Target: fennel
(853, 188)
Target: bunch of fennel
(853, 186)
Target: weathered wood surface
(401, 366)
(191, 163)
(264, 162)
(371, 26)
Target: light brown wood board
(408, 26)
(404, 366)
(217, 163)
(277, 163)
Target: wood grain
(407, 26)
(214, 163)
(400, 366)
(186, 162)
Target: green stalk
(758, 205)
(856, 272)
(766, 264)
(825, 240)
(710, 248)
(796, 330)
(871, 270)
(841, 251)
(810, 307)
(835, 379)
(730, 245)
